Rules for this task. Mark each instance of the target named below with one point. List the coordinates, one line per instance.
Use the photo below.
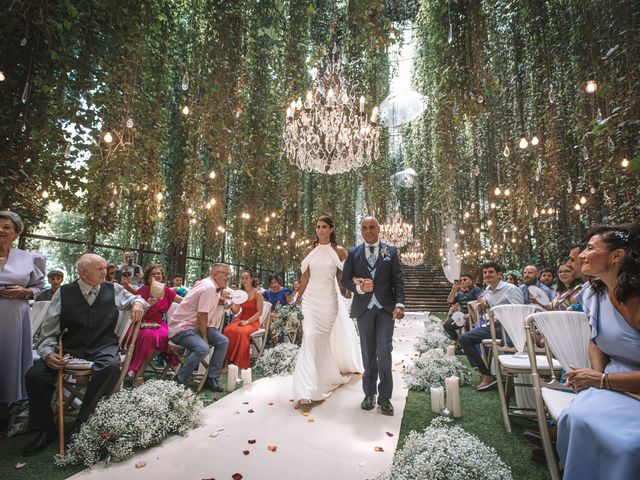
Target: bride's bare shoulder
(342, 252)
(308, 250)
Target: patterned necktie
(372, 255)
(91, 296)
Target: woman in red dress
(239, 330)
(151, 338)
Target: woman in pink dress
(153, 336)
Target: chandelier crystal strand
(396, 231)
(331, 131)
(413, 255)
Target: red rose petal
(270, 404)
(250, 411)
(389, 434)
(245, 403)
(252, 441)
(272, 448)
(379, 449)
(236, 476)
(245, 452)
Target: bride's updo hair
(329, 221)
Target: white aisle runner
(337, 440)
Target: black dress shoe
(45, 437)
(367, 403)
(385, 407)
(213, 385)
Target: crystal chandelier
(413, 255)
(396, 231)
(331, 131)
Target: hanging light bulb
(130, 123)
(108, 138)
(1, 76)
(185, 110)
(543, 211)
(550, 210)
(583, 200)
(212, 174)
(207, 206)
(507, 192)
(497, 191)
(467, 214)
(185, 81)
(293, 235)
(535, 140)
(489, 222)
(44, 194)
(461, 231)
(212, 201)
(159, 196)
(577, 206)
(624, 163)
(493, 205)
(115, 191)
(193, 221)
(523, 143)
(591, 86)
(477, 230)
(507, 151)
(450, 37)
(190, 211)
(273, 214)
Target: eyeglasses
(227, 274)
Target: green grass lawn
(481, 417)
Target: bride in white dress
(330, 348)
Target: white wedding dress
(330, 346)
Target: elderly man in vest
(87, 312)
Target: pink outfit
(202, 298)
(150, 339)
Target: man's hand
(398, 313)
(367, 285)
(137, 312)
(54, 361)
(482, 302)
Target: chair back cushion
(512, 318)
(567, 335)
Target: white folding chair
(258, 338)
(511, 363)
(38, 312)
(567, 336)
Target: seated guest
(496, 293)
(567, 289)
(295, 288)
(55, 278)
(257, 283)
(546, 279)
(189, 326)
(513, 279)
(151, 338)
(247, 322)
(530, 279)
(178, 285)
(462, 292)
(88, 310)
(599, 432)
(277, 294)
(112, 268)
(128, 265)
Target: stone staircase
(426, 288)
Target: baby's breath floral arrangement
(432, 337)
(279, 360)
(431, 369)
(288, 320)
(444, 452)
(131, 420)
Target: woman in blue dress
(599, 432)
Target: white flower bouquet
(131, 420)
(431, 369)
(288, 320)
(279, 360)
(432, 337)
(445, 452)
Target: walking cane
(60, 401)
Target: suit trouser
(40, 381)
(376, 342)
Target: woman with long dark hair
(240, 329)
(329, 341)
(599, 432)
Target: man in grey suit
(372, 271)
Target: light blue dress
(16, 355)
(599, 432)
